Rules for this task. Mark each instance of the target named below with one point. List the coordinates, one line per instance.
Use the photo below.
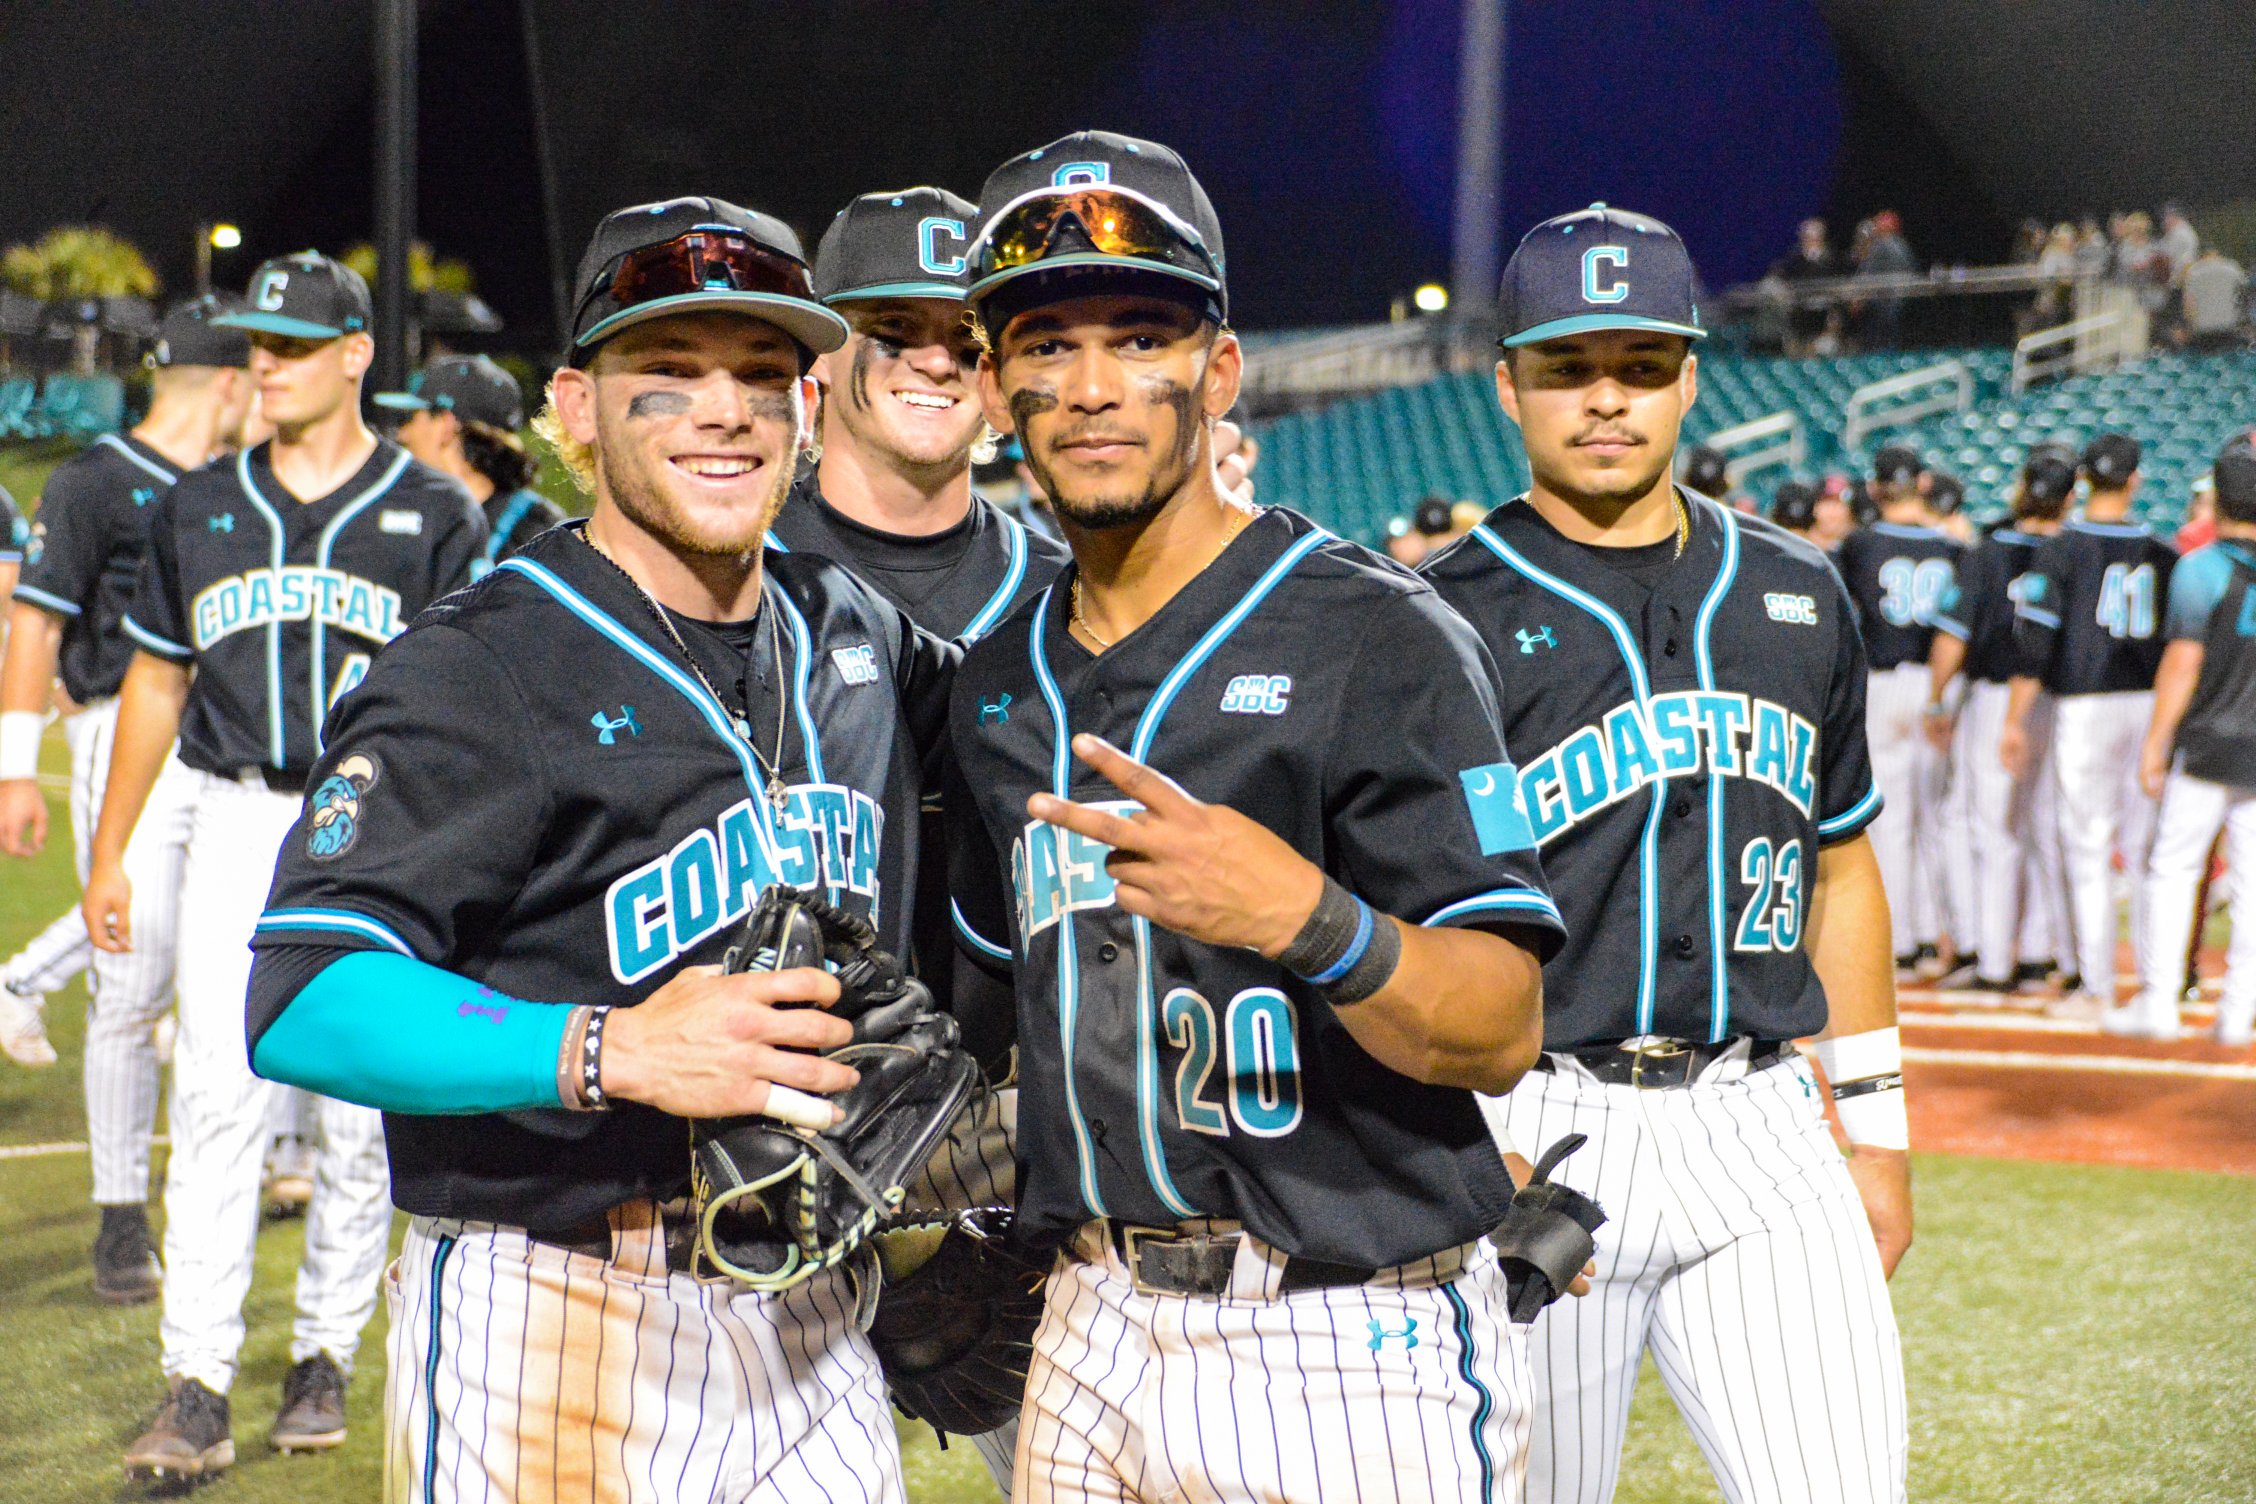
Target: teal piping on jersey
(112, 441)
(1503, 900)
(316, 665)
(401, 1035)
(439, 1257)
(755, 782)
(776, 543)
(2039, 615)
(1069, 965)
(163, 647)
(1583, 323)
(1868, 805)
(1907, 530)
(1462, 1321)
(276, 744)
(2109, 529)
(46, 602)
(979, 942)
(334, 922)
(1147, 730)
(1648, 855)
(524, 501)
(1719, 959)
(1000, 601)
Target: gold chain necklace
(1683, 523)
(1244, 519)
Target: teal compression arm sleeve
(392, 1032)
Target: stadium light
(1431, 298)
(226, 237)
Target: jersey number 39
(1260, 1055)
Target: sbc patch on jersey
(1784, 606)
(1500, 820)
(403, 521)
(333, 813)
(856, 664)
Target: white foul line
(49, 1151)
(2121, 1065)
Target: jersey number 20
(1772, 920)
(1260, 1055)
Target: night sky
(1324, 131)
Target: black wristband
(1886, 1081)
(591, 1061)
(1373, 969)
(1328, 936)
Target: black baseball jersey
(514, 519)
(83, 558)
(1900, 578)
(15, 533)
(1979, 610)
(957, 584)
(542, 795)
(280, 604)
(1314, 686)
(2213, 602)
(1687, 750)
(2090, 614)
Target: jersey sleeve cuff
(163, 647)
(334, 927)
(32, 595)
(1851, 821)
(1954, 627)
(2040, 617)
(1518, 908)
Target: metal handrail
(1792, 448)
(2029, 368)
(1859, 419)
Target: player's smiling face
(697, 421)
(904, 385)
(1111, 398)
(1599, 411)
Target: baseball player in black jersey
(2020, 902)
(1271, 910)
(538, 826)
(14, 533)
(2199, 760)
(1794, 507)
(67, 621)
(2089, 626)
(463, 413)
(1686, 688)
(270, 581)
(1900, 572)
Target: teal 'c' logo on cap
(270, 288)
(1073, 173)
(1602, 281)
(929, 234)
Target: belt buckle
(1132, 1241)
(1672, 1049)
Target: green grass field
(2074, 1336)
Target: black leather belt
(593, 1238)
(1652, 1064)
(1168, 1261)
(277, 780)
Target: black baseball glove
(955, 1324)
(1545, 1237)
(776, 1202)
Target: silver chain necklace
(778, 791)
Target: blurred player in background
(1793, 506)
(2199, 758)
(463, 415)
(2020, 906)
(68, 620)
(1901, 571)
(2088, 624)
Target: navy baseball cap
(686, 255)
(2234, 480)
(1946, 493)
(1794, 505)
(1706, 470)
(2111, 460)
(912, 244)
(190, 336)
(304, 295)
(1897, 465)
(2049, 472)
(469, 386)
(1099, 199)
(1597, 268)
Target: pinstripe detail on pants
(1737, 1253)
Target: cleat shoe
(2076, 1007)
(2125, 1022)
(313, 1407)
(2032, 976)
(1927, 961)
(126, 1271)
(2235, 1035)
(288, 1185)
(1988, 992)
(23, 1029)
(190, 1438)
(2068, 982)
(1962, 974)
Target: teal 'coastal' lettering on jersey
(295, 592)
(827, 837)
(1681, 733)
(1055, 871)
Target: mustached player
(1690, 704)
(539, 825)
(269, 583)
(2089, 627)
(68, 621)
(2021, 906)
(463, 413)
(1274, 918)
(2199, 759)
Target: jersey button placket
(1108, 952)
(1685, 947)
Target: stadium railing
(1872, 407)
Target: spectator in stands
(2213, 302)
(1793, 506)
(1884, 253)
(2028, 242)
(2142, 264)
(2180, 243)
(1811, 260)
(2094, 254)
(2056, 259)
